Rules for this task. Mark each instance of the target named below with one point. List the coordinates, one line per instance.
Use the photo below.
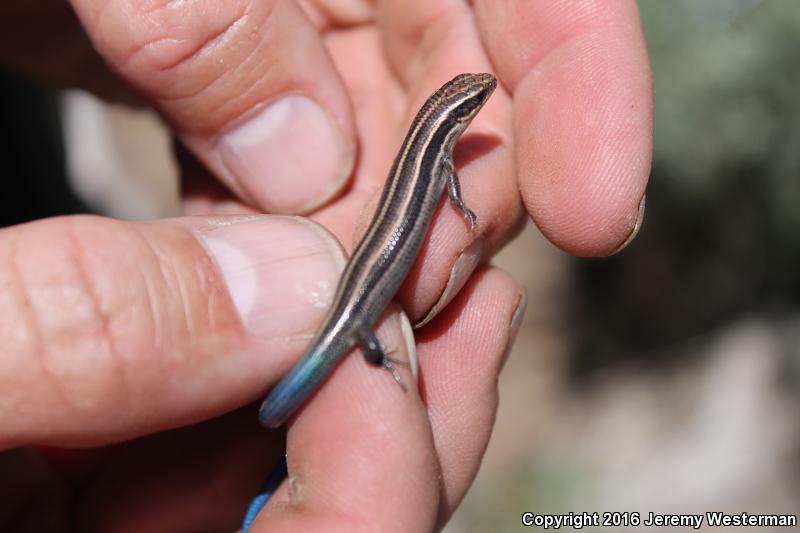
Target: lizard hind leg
(375, 355)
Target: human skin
(147, 339)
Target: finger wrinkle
(327, 14)
(154, 288)
(33, 330)
(22, 304)
(152, 49)
(154, 311)
(188, 63)
(101, 318)
(39, 348)
(252, 85)
(204, 270)
(186, 307)
(174, 280)
(164, 54)
(246, 86)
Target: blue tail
(296, 386)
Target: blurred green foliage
(721, 236)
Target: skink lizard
(384, 256)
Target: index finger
(582, 90)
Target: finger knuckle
(187, 54)
(69, 324)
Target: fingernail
(515, 324)
(637, 225)
(459, 274)
(289, 155)
(281, 272)
(407, 330)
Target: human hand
(582, 149)
(119, 335)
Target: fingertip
(584, 132)
(348, 441)
(248, 86)
(461, 354)
(582, 93)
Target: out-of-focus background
(663, 379)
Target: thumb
(246, 85)
(115, 329)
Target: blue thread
(272, 482)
